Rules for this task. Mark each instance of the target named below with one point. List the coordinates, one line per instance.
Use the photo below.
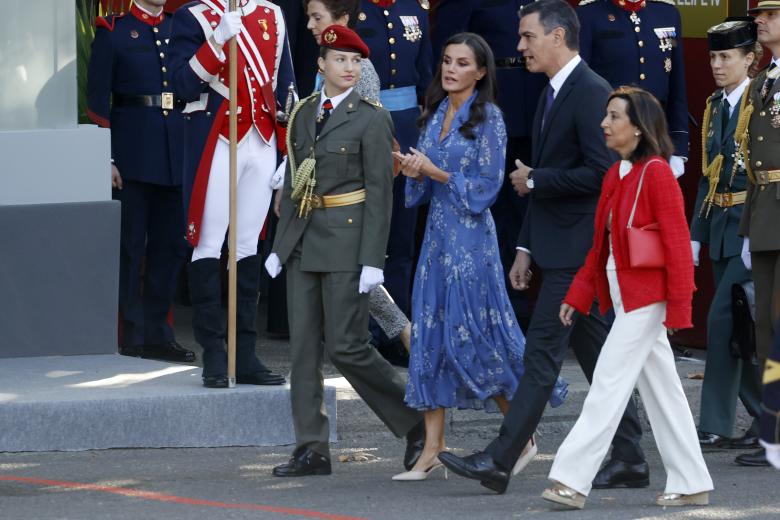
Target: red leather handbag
(645, 248)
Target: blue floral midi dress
(466, 344)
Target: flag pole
(232, 236)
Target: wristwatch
(529, 182)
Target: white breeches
(256, 166)
(636, 352)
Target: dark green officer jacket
(720, 228)
(353, 151)
(762, 210)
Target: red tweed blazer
(660, 201)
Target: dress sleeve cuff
(206, 63)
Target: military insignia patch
(412, 31)
(668, 65)
(774, 110)
(330, 36)
(362, 17)
(134, 34)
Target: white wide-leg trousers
(256, 166)
(636, 352)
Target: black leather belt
(164, 100)
(515, 62)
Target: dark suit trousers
(329, 304)
(152, 241)
(545, 349)
(766, 275)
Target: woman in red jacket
(648, 302)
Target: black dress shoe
(170, 351)
(415, 442)
(261, 378)
(618, 474)
(756, 458)
(215, 381)
(746, 442)
(303, 463)
(479, 466)
(712, 441)
(131, 350)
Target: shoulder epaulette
(670, 2)
(586, 2)
(372, 102)
(107, 22)
(425, 4)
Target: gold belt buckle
(317, 201)
(167, 101)
(762, 177)
(726, 199)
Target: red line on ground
(162, 497)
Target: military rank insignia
(668, 65)
(412, 31)
(774, 111)
(666, 36)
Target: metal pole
(232, 241)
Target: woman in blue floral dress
(467, 348)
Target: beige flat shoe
(564, 496)
(678, 499)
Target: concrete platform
(72, 403)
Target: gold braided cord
(301, 175)
(741, 137)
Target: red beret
(343, 38)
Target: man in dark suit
(569, 160)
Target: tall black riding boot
(208, 320)
(249, 369)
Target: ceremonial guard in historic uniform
(200, 74)
(518, 95)
(639, 42)
(715, 222)
(397, 33)
(761, 247)
(129, 91)
(332, 235)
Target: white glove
(273, 265)
(745, 255)
(695, 249)
(229, 26)
(678, 165)
(772, 453)
(277, 180)
(370, 277)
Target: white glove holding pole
(229, 26)
(678, 165)
(745, 255)
(277, 180)
(695, 249)
(273, 265)
(370, 277)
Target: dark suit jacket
(569, 160)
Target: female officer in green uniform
(721, 196)
(332, 236)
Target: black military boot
(249, 369)
(208, 322)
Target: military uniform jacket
(720, 229)
(201, 81)
(129, 58)
(497, 22)
(761, 213)
(648, 54)
(353, 151)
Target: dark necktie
(327, 107)
(725, 116)
(548, 102)
(768, 82)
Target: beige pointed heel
(413, 476)
(526, 457)
(678, 499)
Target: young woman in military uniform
(721, 197)
(332, 236)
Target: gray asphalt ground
(235, 483)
